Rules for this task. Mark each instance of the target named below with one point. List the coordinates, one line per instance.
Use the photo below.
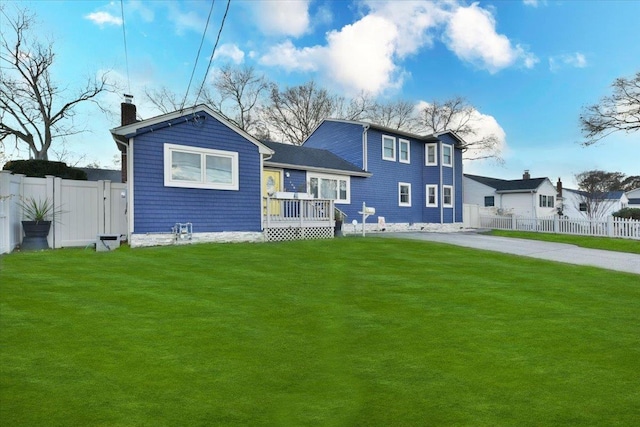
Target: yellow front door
(271, 183)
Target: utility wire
(124, 37)
(213, 52)
(204, 33)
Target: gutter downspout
(441, 186)
(365, 163)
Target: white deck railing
(608, 227)
(298, 212)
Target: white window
(447, 155)
(388, 148)
(432, 196)
(430, 154)
(403, 149)
(404, 194)
(447, 196)
(332, 187)
(546, 201)
(194, 167)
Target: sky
(527, 66)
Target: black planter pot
(35, 235)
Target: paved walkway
(560, 252)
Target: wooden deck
(292, 218)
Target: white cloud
(576, 60)
(485, 125)
(533, 3)
(289, 57)
(284, 17)
(471, 35)
(141, 9)
(103, 18)
(366, 55)
(230, 51)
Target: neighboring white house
(527, 197)
(634, 198)
(576, 204)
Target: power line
(124, 37)
(197, 56)
(214, 51)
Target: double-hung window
(447, 155)
(330, 187)
(431, 158)
(404, 194)
(403, 149)
(194, 167)
(447, 196)
(432, 196)
(546, 201)
(388, 148)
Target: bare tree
(457, 115)
(357, 108)
(164, 99)
(398, 114)
(33, 108)
(595, 189)
(295, 112)
(615, 113)
(238, 92)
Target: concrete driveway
(561, 252)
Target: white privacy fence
(608, 227)
(89, 208)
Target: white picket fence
(89, 208)
(608, 227)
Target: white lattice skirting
(297, 233)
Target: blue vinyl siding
(380, 190)
(342, 139)
(157, 208)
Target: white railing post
(514, 222)
(5, 211)
(610, 228)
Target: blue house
(191, 173)
(412, 180)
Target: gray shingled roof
(300, 157)
(611, 195)
(505, 186)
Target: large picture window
(330, 187)
(195, 167)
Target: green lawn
(346, 332)
(606, 243)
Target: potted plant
(38, 215)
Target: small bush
(42, 168)
(629, 213)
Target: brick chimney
(127, 117)
(526, 174)
(559, 188)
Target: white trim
(435, 154)
(188, 114)
(447, 205)
(400, 185)
(400, 143)
(203, 153)
(393, 138)
(435, 204)
(337, 178)
(130, 206)
(450, 147)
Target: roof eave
(317, 169)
